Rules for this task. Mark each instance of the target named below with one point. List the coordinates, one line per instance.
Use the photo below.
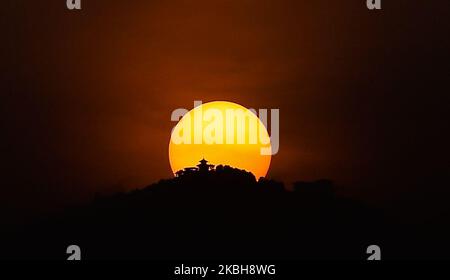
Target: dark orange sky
(88, 95)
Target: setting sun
(223, 133)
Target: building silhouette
(202, 167)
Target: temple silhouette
(202, 167)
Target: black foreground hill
(221, 214)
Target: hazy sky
(87, 96)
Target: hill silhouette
(219, 214)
